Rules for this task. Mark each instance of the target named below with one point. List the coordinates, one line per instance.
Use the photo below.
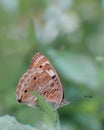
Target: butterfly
(42, 78)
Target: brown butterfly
(42, 78)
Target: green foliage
(50, 116)
(10, 123)
(71, 34)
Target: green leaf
(50, 116)
(10, 123)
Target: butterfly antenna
(79, 98)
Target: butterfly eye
(25, 91)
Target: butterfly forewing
(41, 62)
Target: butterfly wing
(42, 78)
(39, 61)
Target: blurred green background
(71, 34)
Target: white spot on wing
(44, 63)
(50, 72)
